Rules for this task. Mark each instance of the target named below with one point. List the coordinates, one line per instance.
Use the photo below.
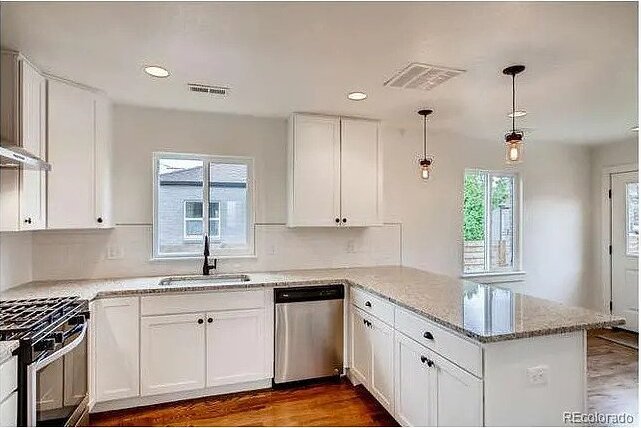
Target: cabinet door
(456, 386)
(314, 171)
(361, 173)
(236, 347)
(414, 384)
(70, 197)
(116, 348)
(360, 347)
(32, 115)
(103, 214)
(9, 411)
(172, 353)
(382, 368)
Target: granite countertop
(484, 313)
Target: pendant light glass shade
(514, 140)
(425, 164)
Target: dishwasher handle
(309, 294)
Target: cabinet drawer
(9, 411)
(380, 308)
(202, 302)
(8, 377)
(462, 352)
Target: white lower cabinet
(9, 411)
(172, 353)
(430, 389)
(372, 350)
(236, 347)
(116, 348)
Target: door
(360, 346)
(32, 113)
(625, 247)
(314, 184)
(172, 353)
(235, 347)
(414, 384)
(455, 386)
(382, 369)
(117, 348)
(71, 195)
(361, 165)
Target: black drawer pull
(430, 363)
(200, 321)
(210, 320)
(423, 359)
(368, 304)
(428, 335)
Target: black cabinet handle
(430, 363)
(423, 359)
(200, 321)
(428, 335)
(368, 304)
(27, 220)
(99, 219)
(337, 220)
(344, 220)
(210, 320)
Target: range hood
(15, 157)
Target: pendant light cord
(425, 137)
(513, 104)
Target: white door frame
(606, 230)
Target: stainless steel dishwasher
(308, 332)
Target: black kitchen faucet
(206, 266)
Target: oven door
(57, 380)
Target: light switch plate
(538, 375)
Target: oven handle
(62, 351)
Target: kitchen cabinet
(235, 347)
(334, 171)
(116, 348)
(79, 149)
(23, 105)
(172, 353)
(8, 392)
(453, 387)
(372, 350)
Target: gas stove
(52, 356)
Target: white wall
(556, 204)
(15, 259)
(601, 157)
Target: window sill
(494, 277)
(192, 258)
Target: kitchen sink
(221, 278)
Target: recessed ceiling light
(156, 71)
(518, 113)
(357, 96)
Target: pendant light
(514, 139)
(425, 164)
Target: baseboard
(127, 403)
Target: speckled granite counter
(482, 312)
(7, 347)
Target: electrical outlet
(115, 253)
(538, 375)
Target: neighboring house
(180, 211)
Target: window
(632, 221)
(193, 218)
(490, 222)
(183, 184)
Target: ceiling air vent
(422, 76)
(206, 89)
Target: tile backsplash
(126, 251)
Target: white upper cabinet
(361, 173)
(334, 171)
(23, 195)
(79, 150)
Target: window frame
(188, 237)
(207, 160)
(517, 201)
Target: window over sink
(183, 185)
(491, 222)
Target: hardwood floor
(613, 380)
(324, 404)
(613, 387)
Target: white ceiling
(580, 85)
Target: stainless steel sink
(221, 278)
